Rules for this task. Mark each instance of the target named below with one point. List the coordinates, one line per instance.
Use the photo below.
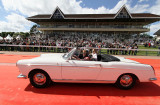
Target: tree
(33, 29)
(3, 34)
(15, 34)
(26, 34)
(10, 33)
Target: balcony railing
(95, 26)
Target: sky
(13, 13)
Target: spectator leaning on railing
(95, 40)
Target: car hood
(43, 59)
(52, 55)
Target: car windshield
(68, 55)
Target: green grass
(142, 47)
(141, 53)
(104, 51)
(147, 53)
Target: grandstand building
(157, 33)
(121, 24)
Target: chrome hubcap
(39, 78)
(126, 80)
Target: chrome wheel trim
(126, 80)
(39, 78)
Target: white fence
(11, 47)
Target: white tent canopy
(18, 37)
(1, 38)
(8, 38)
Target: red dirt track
(15, 91)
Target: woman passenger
(94, 55)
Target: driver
(76, 55)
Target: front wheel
(126, 81)
(40, 79)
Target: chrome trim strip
(83, 81)
(83, 66)
(21, 76)
(78, 66)
(7, 64)
(152, 79)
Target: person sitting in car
(94, 55)
(85, 55)
(76, 55)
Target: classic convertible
(72, 67)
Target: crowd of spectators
(74, 40)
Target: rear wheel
(40, 79)
(126, 81)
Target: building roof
(95, 16)
(134, 15)
(145, 15)
(157, 33)
(41, 16)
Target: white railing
(66, 47)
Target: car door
(80, 70)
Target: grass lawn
(142, 47)
(147, 53)
(141, 53)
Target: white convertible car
(65, 68)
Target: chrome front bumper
(153, 79)
(22, 76)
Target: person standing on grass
(135, 47)
(129, 48)
(149, 44)
(159, 50)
